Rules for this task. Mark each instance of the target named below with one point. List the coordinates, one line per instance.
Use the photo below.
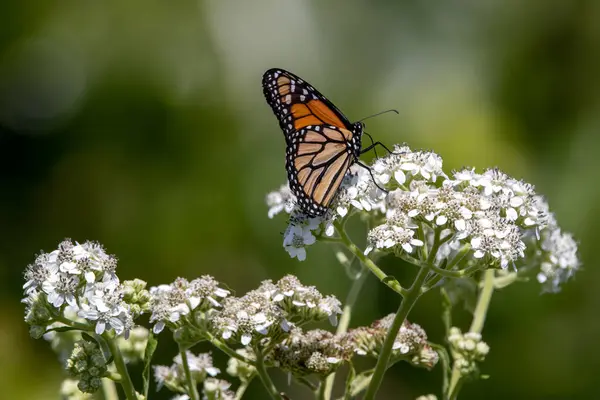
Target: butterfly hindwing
(318, 157)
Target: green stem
(344, 322)
(367, 262)
(189, 379)
(109, 389)
(445, 360)
(304, 381)
(264, 376)
(463, 273)
(228, 350)
(125, 381)
(239, 393)
(73, 324)
(483, 303)
(320, 393)
(412, 295)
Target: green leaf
(62, 329)
(88, 338)
(150, 348)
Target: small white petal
(478, 254)
(389, 243)
(259, 318)
(400, 177)
(541, 278)
(383, 178)
(89, 277)
(511, 214)
(158, 327)
(441, 220)
(485, 223)
(301, 254)
(100, 326)
(516, 201)
(529, 221)
(416, 242)
(329, 230)
(409, 166)
(194, 302)
(246, 339)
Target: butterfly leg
(378, 144)
(372, 144)
(372, 177)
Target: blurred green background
(142, 124)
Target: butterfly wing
(321, 143)
(318, 157)
(297, 104)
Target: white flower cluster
(202, 370)
(467, 350)
(481, 218)
(272, 310)
(313, 352)
(410, 343)
(76, 278)
(169, 303)
(559, 259)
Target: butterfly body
(321, 142)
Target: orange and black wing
(297, 104)
(318, 157)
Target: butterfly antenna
(379, 113)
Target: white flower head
(182, 297)
(299, 234)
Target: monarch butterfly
(321, 142)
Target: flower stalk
(344, 322)
(483, 303)
(367, 262)
(264, 375)
(192, 389)
(406, 305)
(121, 367)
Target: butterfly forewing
(297, 104)
(321, 143)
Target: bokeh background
(141, 124)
